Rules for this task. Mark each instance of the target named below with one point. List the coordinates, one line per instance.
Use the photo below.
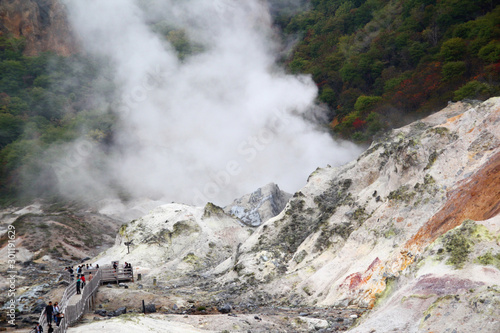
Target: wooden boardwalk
(74, 305)
(109, 274)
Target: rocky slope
(411, 226)
(43, 24)
(354, 230)
(408, 234)
(174, 241)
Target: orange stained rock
(353, 280)
(363, 283)
(476, 198)
(377, 287)
(453, 119)
(21, 18)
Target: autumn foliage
(395, 57)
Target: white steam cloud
(211, 127)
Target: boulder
(225, 308)
(150, 308)
(101, 313)
(120, 311)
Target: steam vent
(249, 166)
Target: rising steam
(211, 127)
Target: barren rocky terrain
(406, 238)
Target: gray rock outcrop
(255, 208)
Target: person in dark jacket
(49, 312)
(78, 285)
(38, 328)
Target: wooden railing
(109, 274)
(73, 312)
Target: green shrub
(350, 73)
(328, 95)
(458, 243)
(11, 76)
(10, 128)
(365, 103)
(374, 123)
(453, 49)
(452, 70)
(473, 89)
(490, 53)
(298, 65)
(458, 247)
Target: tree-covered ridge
(377, 62)
(45, 101)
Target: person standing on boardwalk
(83, 281)
(38, 328)
(49, 312)
(60, 317)
(56, 312)
(78, 285)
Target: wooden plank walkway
(74, 305)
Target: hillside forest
(377, 64)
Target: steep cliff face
(43, 24)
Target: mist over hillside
(195, 106)
(149, 96)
